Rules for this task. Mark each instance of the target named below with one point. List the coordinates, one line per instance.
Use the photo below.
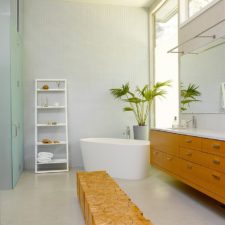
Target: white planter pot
(140, 132)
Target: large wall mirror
(207, 70)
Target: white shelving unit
(51, 123)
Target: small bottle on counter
(175, 123)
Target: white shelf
(51, 107)
(50, 90)
(60, 163)
(51, 171)
(61, 143)
(53, 161)
(47, 125)
(50, 80)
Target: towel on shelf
(45, 157)
(42, 160)
(45, 154)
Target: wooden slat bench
(104, 203)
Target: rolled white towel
(45, 154)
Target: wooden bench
(103, 202)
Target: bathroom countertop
(219, 135)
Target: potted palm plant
(139, 102)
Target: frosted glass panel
(5, 115)
(16, 97)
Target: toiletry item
(58, 84)
(45, 87)
(43, 101)
(175, 123)
(46, 141)
(46, 102)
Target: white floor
(50, 199)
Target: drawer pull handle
(216, 146)
(188, 141)
(216, 176)
(216, 161)
(189, 154)
(169, 158)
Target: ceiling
(133, 3)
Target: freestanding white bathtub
(121, 158)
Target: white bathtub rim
(116, 141)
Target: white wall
(95, 47)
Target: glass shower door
(16, 99)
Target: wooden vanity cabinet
(165, 150)
(198, 162)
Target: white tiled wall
(94, 47)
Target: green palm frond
(120, 92)
(127, 109)
(142, 91)
(156, 90)
(133, 100)
(189, 95)
(190, 92)
(188, 101)
(163, 84)
(183, 109)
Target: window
(196, 5)
(165, 28)
(190, 8)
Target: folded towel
(41, 160)
(45, 154)
(42, 157)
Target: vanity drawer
(204, 159)
(156, 157)
(188, 171)
(164, 141)
(190, 142)
(218, 183)
(193, 156)
(206, 178)
(210, 179)
(196, 174)
(170, 163)
(213, 146)
(215, 162)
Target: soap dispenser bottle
(175, 123)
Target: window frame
(152, 39)
(188, 19)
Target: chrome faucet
(193, 121)
(127, 132)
